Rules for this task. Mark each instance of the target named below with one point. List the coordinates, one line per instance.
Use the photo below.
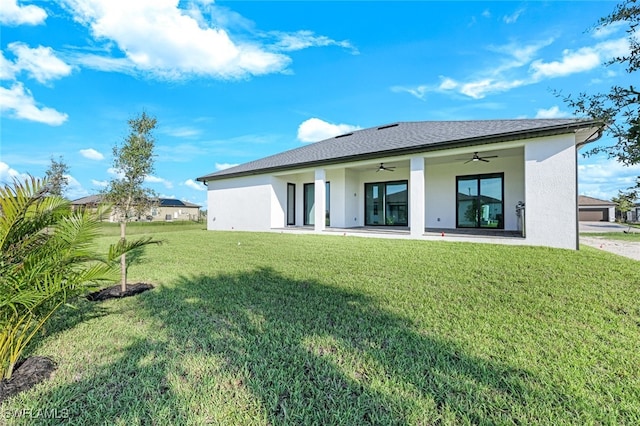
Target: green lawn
(620, 236)
(250, 328)
(151, 228)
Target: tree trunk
(123, 259)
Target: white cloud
(7, 68)
(7, 174)
(304, 39)
(18, 102)
(165, 41)
(479, 89)
(182, 132)
(517, 54)
(419, 92)
(223, 166)
(511, 71)
(40, 63)
(513, 18)
(603, 178)
(581, 60)
(91, 154)
(103, 63)
(447, 84)
(609, 29)
(486, 13)
(154, 179)
(553, 112)
(314, 130)
(195, 185)
(100, 183)
(74, 189)
(117, 173)
(13, 14)
(148, 179)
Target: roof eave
(483, 140)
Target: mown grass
(250, 328)
(138, 228)
(633, 236)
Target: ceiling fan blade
(482, 159)
(468, 161)
(491, 156)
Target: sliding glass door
(386, 203)
(309, 202)
(480, 201)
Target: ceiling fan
(476, 157)
(385, 168)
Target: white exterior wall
(320, 200)
(541, 172)
(278, 202)
(337, 197)
(416, 197)
(352, 203)
(550, 190)
(243, 203)
(440, 189)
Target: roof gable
(404, 138)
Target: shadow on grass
(299, 352)
(77, 311)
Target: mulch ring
(115, 292)
(29, 373)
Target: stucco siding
(337, 197)
(550, 189)
(278, 202)
(353, 192)
(243, 203)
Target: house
(497, 177)
(595, 210)
(166, 209)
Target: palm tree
(47, 256)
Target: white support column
(320, 197)
(551, 207)
(416, 196)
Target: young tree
(619, 107)
(624, 203)
(134, 162)
(47, 256)
(56, 178)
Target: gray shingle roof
(163, 202)
(585, 201)
(403, 138)
(90, 199)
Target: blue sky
(232, 81)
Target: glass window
(327, 200)
(309, 203)
(386, 203)
(480, 201)
(291, 204)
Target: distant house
(471, 177)
(165, 209)
(595, 210)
